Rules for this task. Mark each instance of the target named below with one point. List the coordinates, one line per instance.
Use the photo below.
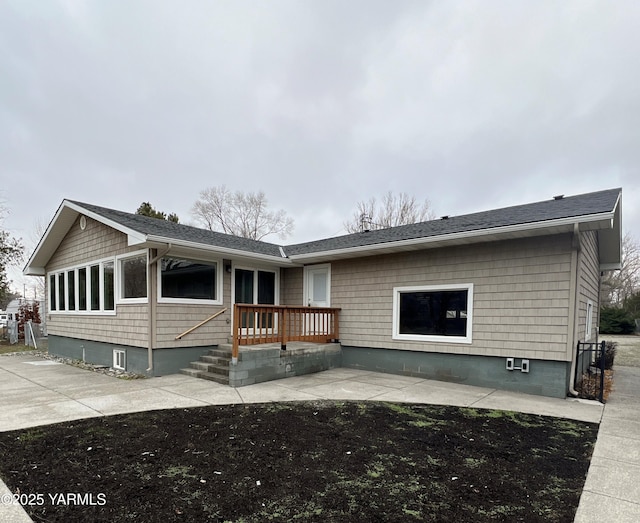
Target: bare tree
(36, 282)
(618, 286)
(240, 214)
(394, 210)
(11, 252)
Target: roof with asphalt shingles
(555, 209)
(176, 231)
(567, 207)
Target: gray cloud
(472, 105)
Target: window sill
(433, 339)
(81, 313)
(187, 301)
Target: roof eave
(589, 222)
(59, 226)
(610, 240)
(222, 251)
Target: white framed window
(256, 285)
(433, 313)
(188, 280)
(259, 286)
(589, 328)
(84, 289)
(132, 277)
(119, 359)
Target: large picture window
(185, 280)
(440, 313)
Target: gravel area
(102, 369)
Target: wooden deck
(283, 325)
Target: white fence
(32, 332)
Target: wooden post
(283, 330)
(236, 332)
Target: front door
(317, 285)
(317, 280)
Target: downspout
(151, 262)
(575, 283)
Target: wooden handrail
(254, 324)
(201, 323)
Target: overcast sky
(473, 105)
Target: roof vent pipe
(558, 197)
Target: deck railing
(254, 324)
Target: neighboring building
(449, 299)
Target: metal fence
(591, 364)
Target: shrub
(27, 311)
(616, 321)
(610, 348)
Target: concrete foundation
(545, 378)
(269, 362)
(165, 361)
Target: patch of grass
(30, 435)
(6, 348)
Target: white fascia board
(443, 238)
(224, 251)
(27, 270)
(36, 271)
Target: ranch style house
(497, 298)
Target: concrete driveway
(38, 391)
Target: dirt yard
(310, 462)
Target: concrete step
(218, 378)
(194, 373)
(216, 360)
(219, 353)
(210, 368)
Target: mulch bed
(313, 461)
(589, 386)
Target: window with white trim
(589, 328)
(132, 278)
(84, 289)
(184, 280)
(434, 313)
(119, 359)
